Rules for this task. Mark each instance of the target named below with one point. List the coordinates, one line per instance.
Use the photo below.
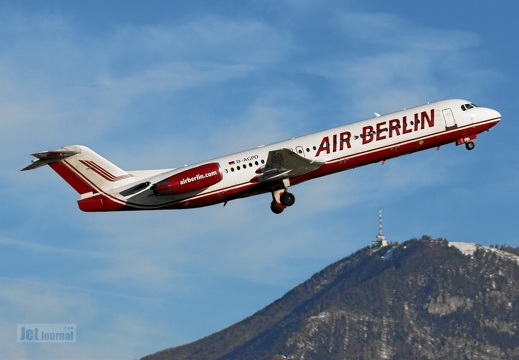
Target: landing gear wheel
(470, 145)
(276, 208)
(287, 199)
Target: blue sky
(162, 84)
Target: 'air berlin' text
(381, 131)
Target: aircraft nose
(491, 115)
(495, 114)
(485, 115)
(488, 114)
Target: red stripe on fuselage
(342, 163)
(354, 160)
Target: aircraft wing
(284, 163)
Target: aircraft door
(450, 122)
(300, 151)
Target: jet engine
(193, 179)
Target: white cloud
(69, 86)
(207, 39)
(388, 62)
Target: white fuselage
(340, 148)
(271, 168)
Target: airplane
(103, 186)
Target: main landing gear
(285, 199)
(281, 199)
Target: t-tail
(91, 175)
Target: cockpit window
(465, 107)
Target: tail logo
(105, 174)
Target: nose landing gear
(469, 144)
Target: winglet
(48, 157)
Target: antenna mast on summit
(380, 223)
(381, 239)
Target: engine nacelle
(194, 179)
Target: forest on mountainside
(421, 299)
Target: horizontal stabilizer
(48, 157)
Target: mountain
(422, 299)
